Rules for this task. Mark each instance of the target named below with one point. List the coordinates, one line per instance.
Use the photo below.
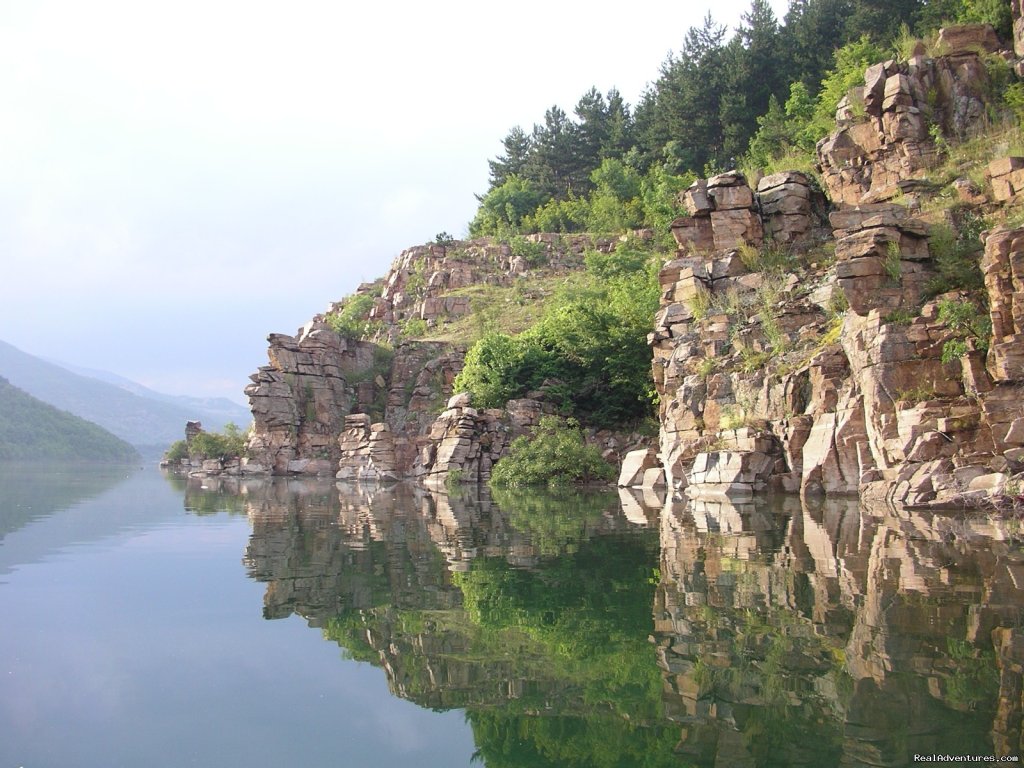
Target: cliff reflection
(832, 635)
(781, 634)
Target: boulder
(636, 469)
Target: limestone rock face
(465, 443)
(1003, 267)
(887, 141)
(789, 206)
(641, 469)
(1007, 178)
(725, 213)
(968, 38)
(367, 451)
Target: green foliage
(624, 262)
(915, 395)
(352, 317)
(770, 259)
(177, 451)
(443, 238)
(217, 445)
(503, 208)
(493, 371)
(893, 262)
(957, 255)
(588, 352)
(899, 317)
(33, 430)
(967, 322)
(568, 215)
(414, 328)
(786, 136)
(453, 480)
(554, 455)
(535, 254)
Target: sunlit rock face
(882, 140)
(883, 635)
(849, 367)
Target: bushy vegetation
(587, 353)
(969, 324)
(352, 318)
(555, 455)
(209, 445)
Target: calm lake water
(147, 620)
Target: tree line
(720, 102)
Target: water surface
(159, 621)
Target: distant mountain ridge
(143, 418)
(214, 408)
(31, 430)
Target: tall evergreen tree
(688, 98)
(813, 31)
(880, 19)
(518, 146)
(554, 166)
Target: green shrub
(492, 372)
(212, 445)
(534, 254)
(414, 328)
(956, 254)
(555, 455)
(352, 317)
(588, 353)
(177, 451)
(968, 323)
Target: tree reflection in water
(782, 634)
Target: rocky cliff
(810, 338)
(374, 405)
(838, 365)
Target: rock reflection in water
(826, 634)
(784, 633)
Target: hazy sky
(179, 179)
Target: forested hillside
(32, 430)
(758, 100)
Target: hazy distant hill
(214, 412)
(32, 430)
(145, 422)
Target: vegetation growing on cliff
(760, 99)
(209, 445)
(588, 352)
(555, 455)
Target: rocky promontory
(814, 334)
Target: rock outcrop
(845, 374)
(725, 213)
(299, 401)
(884, 137)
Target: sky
(178, 180)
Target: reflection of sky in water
(135, 638)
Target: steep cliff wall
(820, 361)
